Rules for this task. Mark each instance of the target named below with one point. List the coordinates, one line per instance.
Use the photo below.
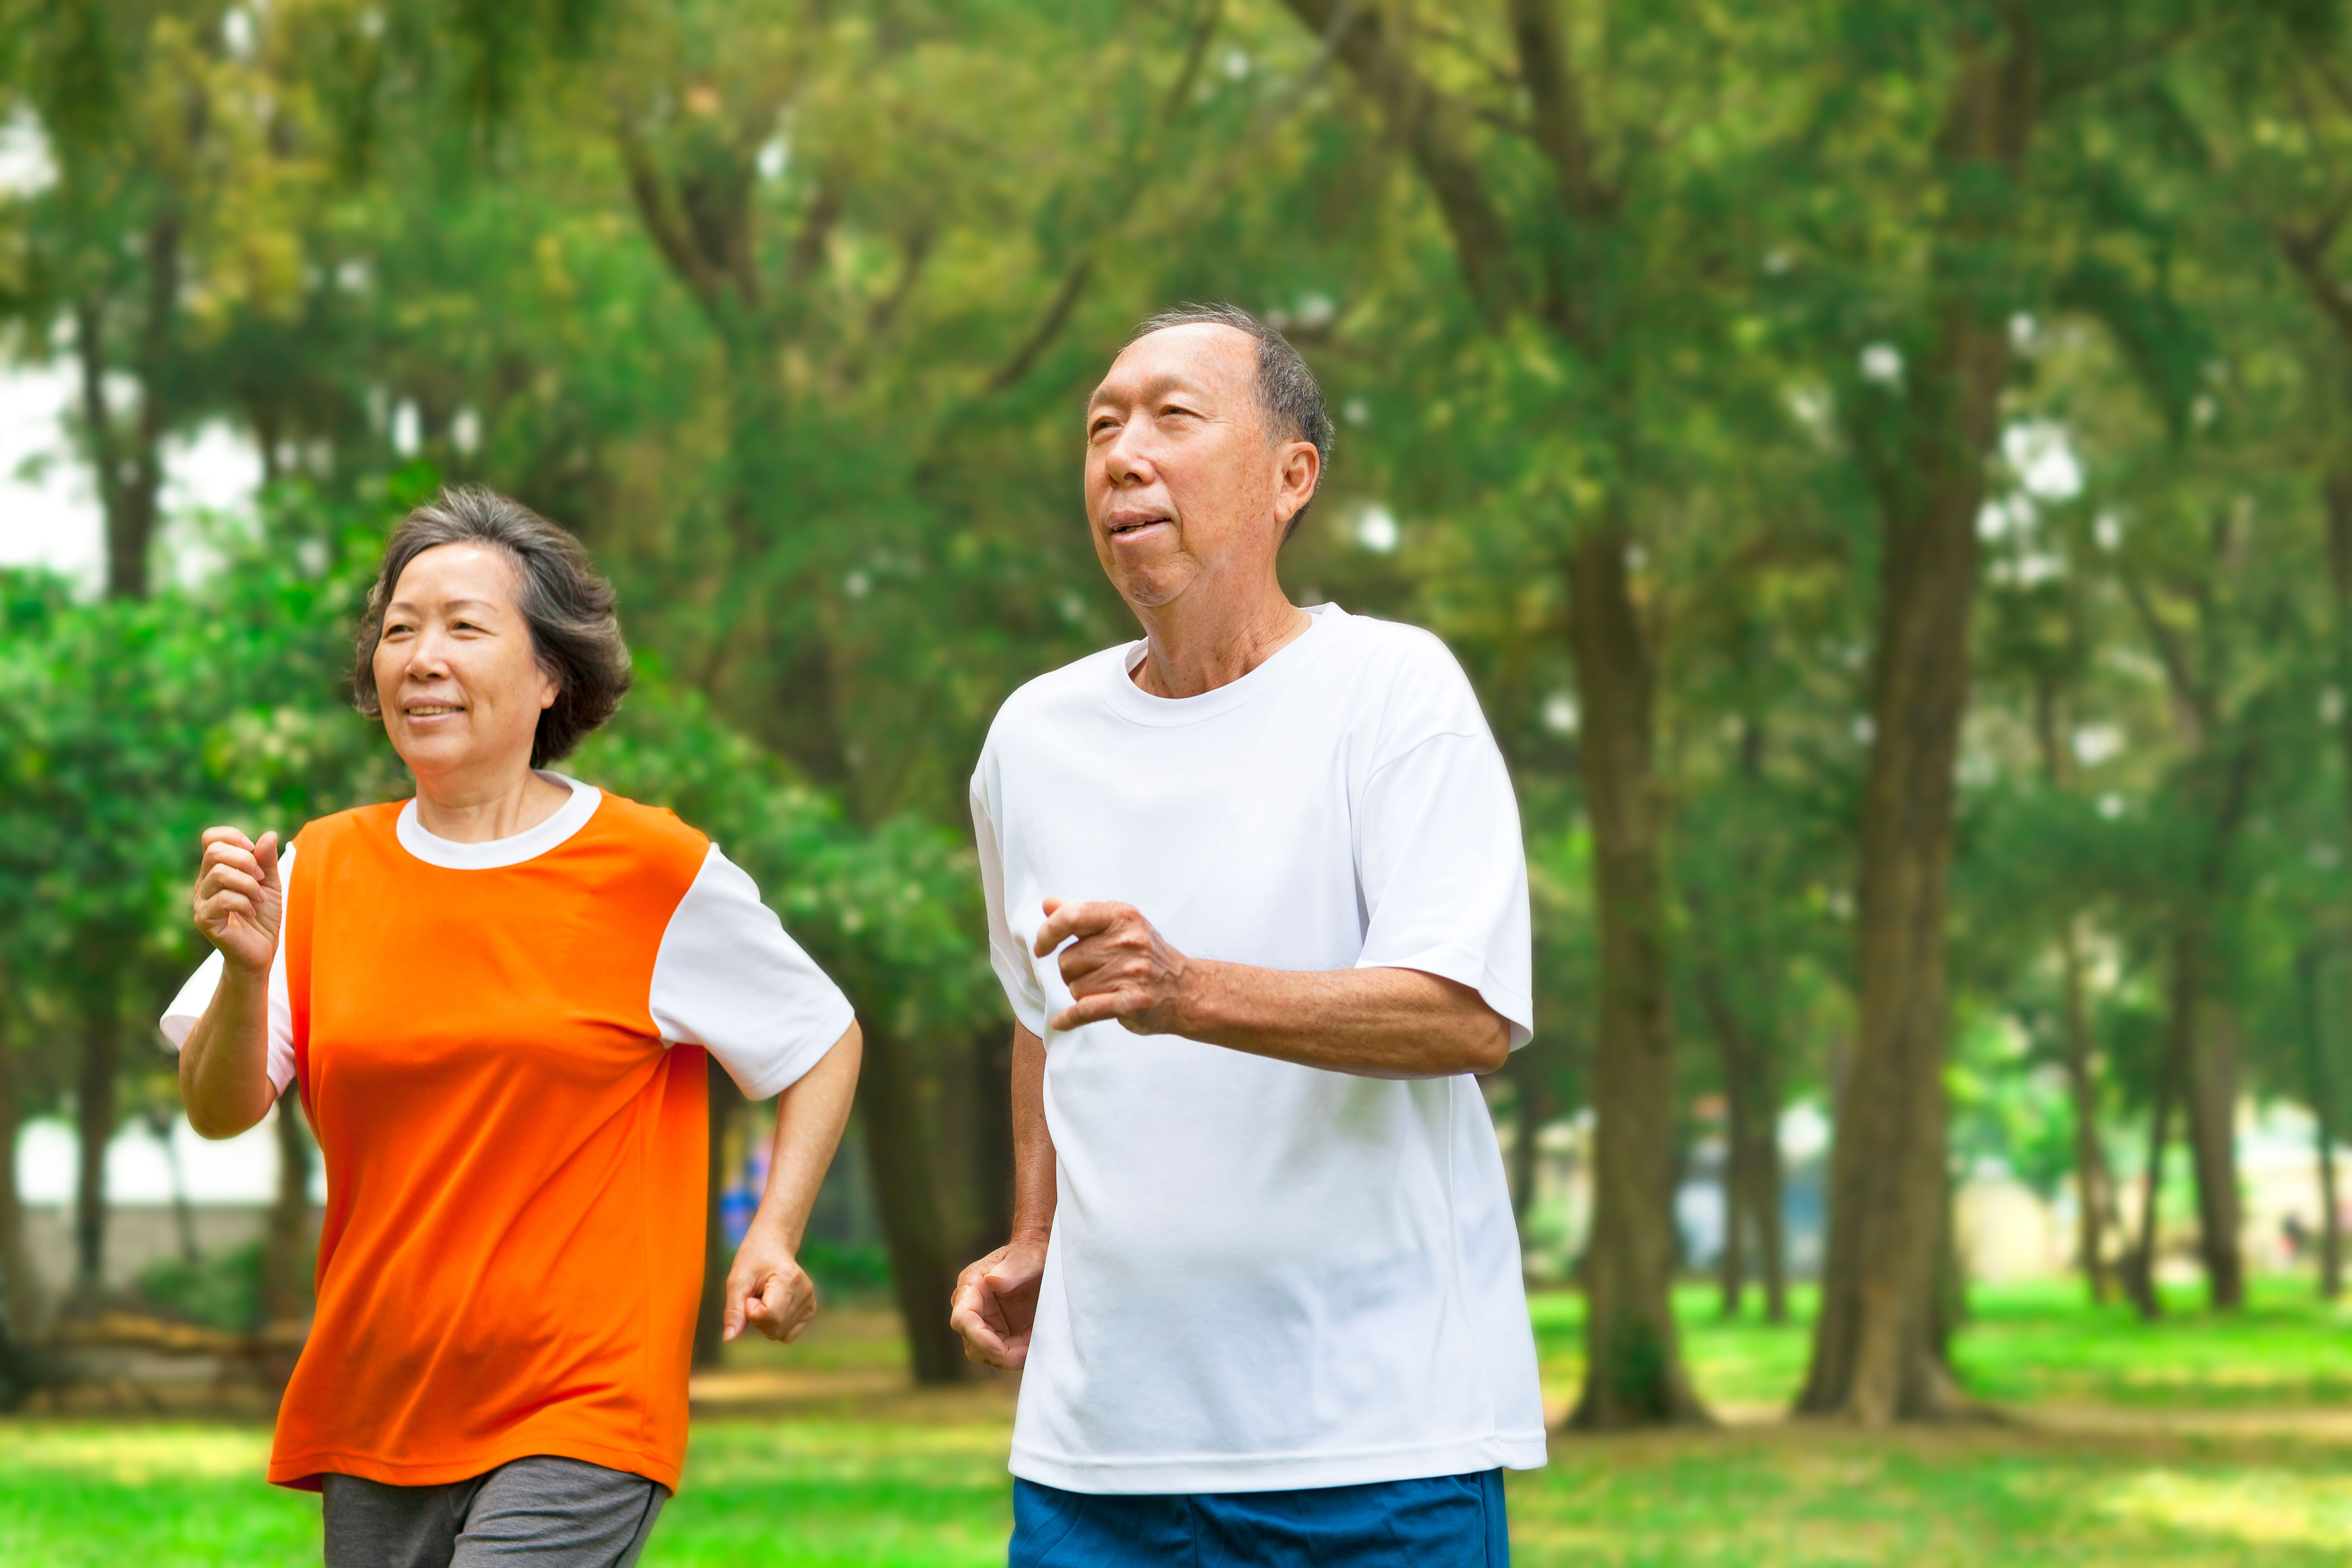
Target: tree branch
(1049, 327)
(664, 222)
(1559, 129)
(1432, 128)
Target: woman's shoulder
(655, 829)
(320, 832)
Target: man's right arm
(995, 1304)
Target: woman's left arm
(767, 1289)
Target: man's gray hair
(574, 631)
(1287, 393)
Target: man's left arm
(1379, 1022)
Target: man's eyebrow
(1157, 387)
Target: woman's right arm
(239, 906)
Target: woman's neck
(474, 812)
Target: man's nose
(1125, 462)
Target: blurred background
(1886, 466)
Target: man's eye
(1102, 425)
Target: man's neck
(1196, 647)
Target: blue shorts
(1444, 1521)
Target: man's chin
(1157, 585)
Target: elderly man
(1256, 894)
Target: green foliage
(223, 1291)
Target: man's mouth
(431, 710)
(1127, 527)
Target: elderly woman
(496, 998)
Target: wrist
(777, 1230)
(1195, 1008)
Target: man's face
(1182, 484)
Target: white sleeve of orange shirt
(180, 1019)
(727, 978)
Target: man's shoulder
(1073, 689)
(1391, 661)
(1397, 646)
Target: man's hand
(767, 1289)
(237, 902)
(1119, 968)
(995, 1304)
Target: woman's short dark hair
(573, 629)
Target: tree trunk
(1635, 1373)
(2093, 1184)
(922, 1268)
(1538, 1103)
(1874, 1358)
(2212, 1139)
(21, 1300)
(2139, 1270)
(2319, 1088)
(726, 1103)
(129, 465)
(1751, 1163)
(288, 1260)
(94, 1116)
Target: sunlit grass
(2034, 1342)
(859, 1485)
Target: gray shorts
(542, 1510)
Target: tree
(1562, 225)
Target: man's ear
(1299, 469)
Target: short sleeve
(1008, 953)
(727, 978)
(1444, 873)
(180, 1019)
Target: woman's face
(460, 686)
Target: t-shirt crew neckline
(1131, 701)
(492, 854)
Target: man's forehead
(1207, 355)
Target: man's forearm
(1375, 1022)
(224, 1062)
(1034, 1193)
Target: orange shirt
(515, 1159)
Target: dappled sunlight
(2257, 1507)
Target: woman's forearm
(810, 1116)
(224, 1062)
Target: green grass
(2217, 1446)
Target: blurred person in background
(482, 994)
(1257, 892)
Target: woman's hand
(768, 1290)
(237, 902)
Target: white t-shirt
(1264, 1276)
(725, 977)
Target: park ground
(2195, 1440)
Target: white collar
(493, 853)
